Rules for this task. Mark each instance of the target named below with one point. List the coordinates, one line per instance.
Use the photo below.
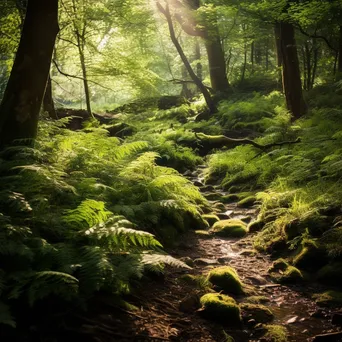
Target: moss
(280, 264)
(331, 274)
(221, 308)
(203, 234)
(257, 299)
(310, 256)
(230, 198)
(291, 275)
(328, 298)
(276, 245)
(247, 202)
(212, 196)
(227, 279)
(255, 226)
(230, 228)
(199, 282)
(210, 218)
(275, 333)
(260, 313)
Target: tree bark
(48, 105)
(25, 89)
(278, 50)
(292, 84)
(209, 101)
(339, 63)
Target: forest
(170, 170)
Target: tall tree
(23, 96)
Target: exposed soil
(159, 317)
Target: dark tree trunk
(339, 63)
(25, 89)
(217, 63)
(199, 68)
(48, 105)
(209, 101)
(266, 56)
(243, 71)
(292, 84)
(278, 50)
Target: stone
(257, 312)
(205, 262)
(227, 279)
(188, 261)
(221, 308)
(190, 303)
(230, 228)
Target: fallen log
(219, 141)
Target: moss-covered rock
(204, 234)
(331, 274)
(212, 196)
(194, 221)
(291, 275)
(220, 308)
(210, 218)
(247, 202)
(279, 265)
(328, 298)
(230, 198)
(255, 226)
(275, 333)
(276, 245)
(199, 282)
(227, 279)
(257, 299)
(311, 256)
(230, 228)
(260, 313)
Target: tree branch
(78, 77)
(301, 30)
(217, 141)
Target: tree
(210, 103)
(23, 96)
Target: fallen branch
(217, 141)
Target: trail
(160, 317)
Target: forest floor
(167, 307)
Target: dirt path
(160, 317)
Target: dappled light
(170, 170)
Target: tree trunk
(292, 84)
(216, 61)
(48, 105)
(209, 101)
(25, 89)
(339, 63)
(199, 68)
(278, 51)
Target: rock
(291, 275)
(205, 262)
(275, 333)
(203, 234)
(257, 280)
(257, 312)
(337, 319)
(188, 261)
(311, 257)
(280, 264)
(190, 303)
(230, 198)
(230, 228)
(247, 202)
(210, 218)
(257, 299)
(224, 260)
(221, 308)
(247, 252)
(292, 320)
(198, 183)
(212, 196)
(330, 337)
(205, 188)
(223, 216)
(331, 274)
(227, 279)
(328, 298)
(219, 206)
(255, 226)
